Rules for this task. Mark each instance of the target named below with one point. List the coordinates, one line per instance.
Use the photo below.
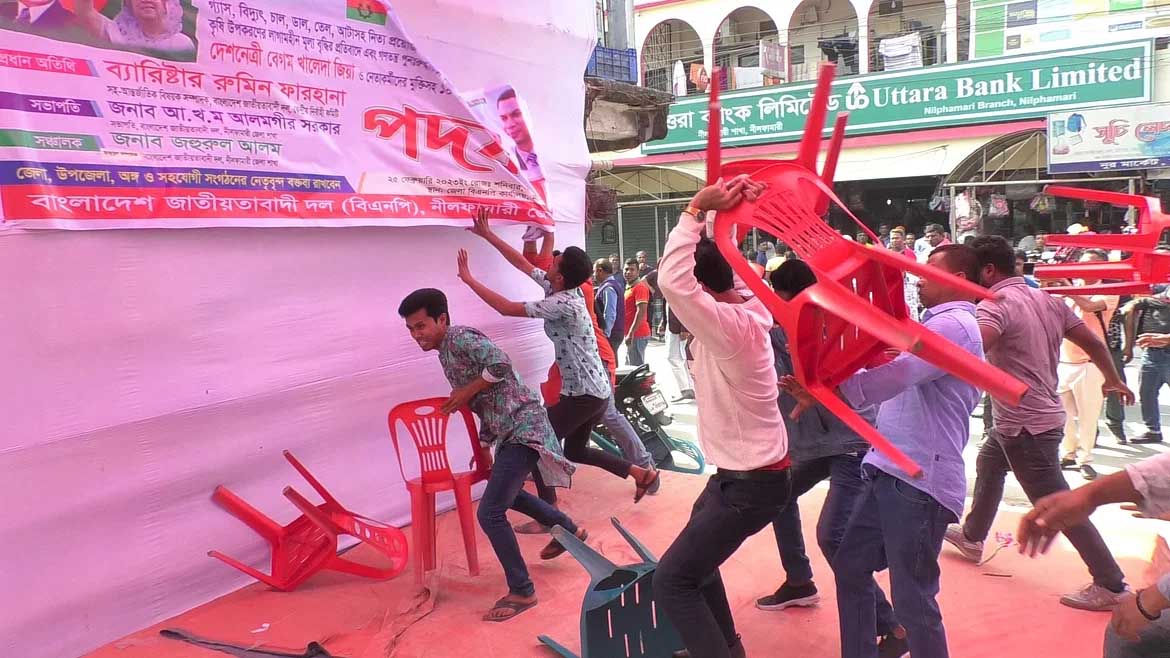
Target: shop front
(916, 142)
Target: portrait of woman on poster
(148, 25)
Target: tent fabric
(144, 367)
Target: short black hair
(792, 277)
(1021, 254)
(605, 265)
(633, 261)
(575, 267)
(508, 93)
(995, 250)
(933, 228)
(961, 258)
(431, 299)
(711, 269)
(1101, 254)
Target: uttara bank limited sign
(980, 91)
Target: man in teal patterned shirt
(513, 421)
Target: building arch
(823, 30)
(671, 40)
(736, 44)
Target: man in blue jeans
(1149, 315)
(513, 420)
(900, 521)
(821, 447)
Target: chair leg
(258, 575)
(433, 530)
(466, 510)
(420, 532)
(254, 518)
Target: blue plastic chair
(619, 618)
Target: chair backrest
(427, 427)
(619, 617)
(630, 624)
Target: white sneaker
(972, 550)
(1095, 598)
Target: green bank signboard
(981, 91)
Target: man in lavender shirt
(899, 521)
(1022, 332)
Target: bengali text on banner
(262, 113)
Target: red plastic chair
(856, 311)
(427, 427)
(309, 544)
(335, 519)
(810, 145)
(1135, 274)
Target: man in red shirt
(637, 314)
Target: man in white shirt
(1140, 627)
(932, 237)
(740, 426)
(1080, 381)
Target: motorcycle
(638, 399)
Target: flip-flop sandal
(504, 604)
(644, 488)
(555, 549)
(531, 528)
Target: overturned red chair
(856, 311)
(309, 543)
(1147, 265)
(427, 427)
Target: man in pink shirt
(740, 426)
(1022, 331)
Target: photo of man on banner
(503, 112)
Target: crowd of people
(772, 442)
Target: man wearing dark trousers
(1022, 332)
(822, 448)
(740, 427)
(1114, 410)
(900, 520)
(1149, 315)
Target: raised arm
(697, 309)
(500, 303)
(1095, 304)
(483, 229)
(93, 22)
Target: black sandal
(555, 549)
(504, 604)
(643, 488)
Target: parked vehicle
(638, 399)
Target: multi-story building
(948, 99)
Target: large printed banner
(197, 113)
(1109, 139)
